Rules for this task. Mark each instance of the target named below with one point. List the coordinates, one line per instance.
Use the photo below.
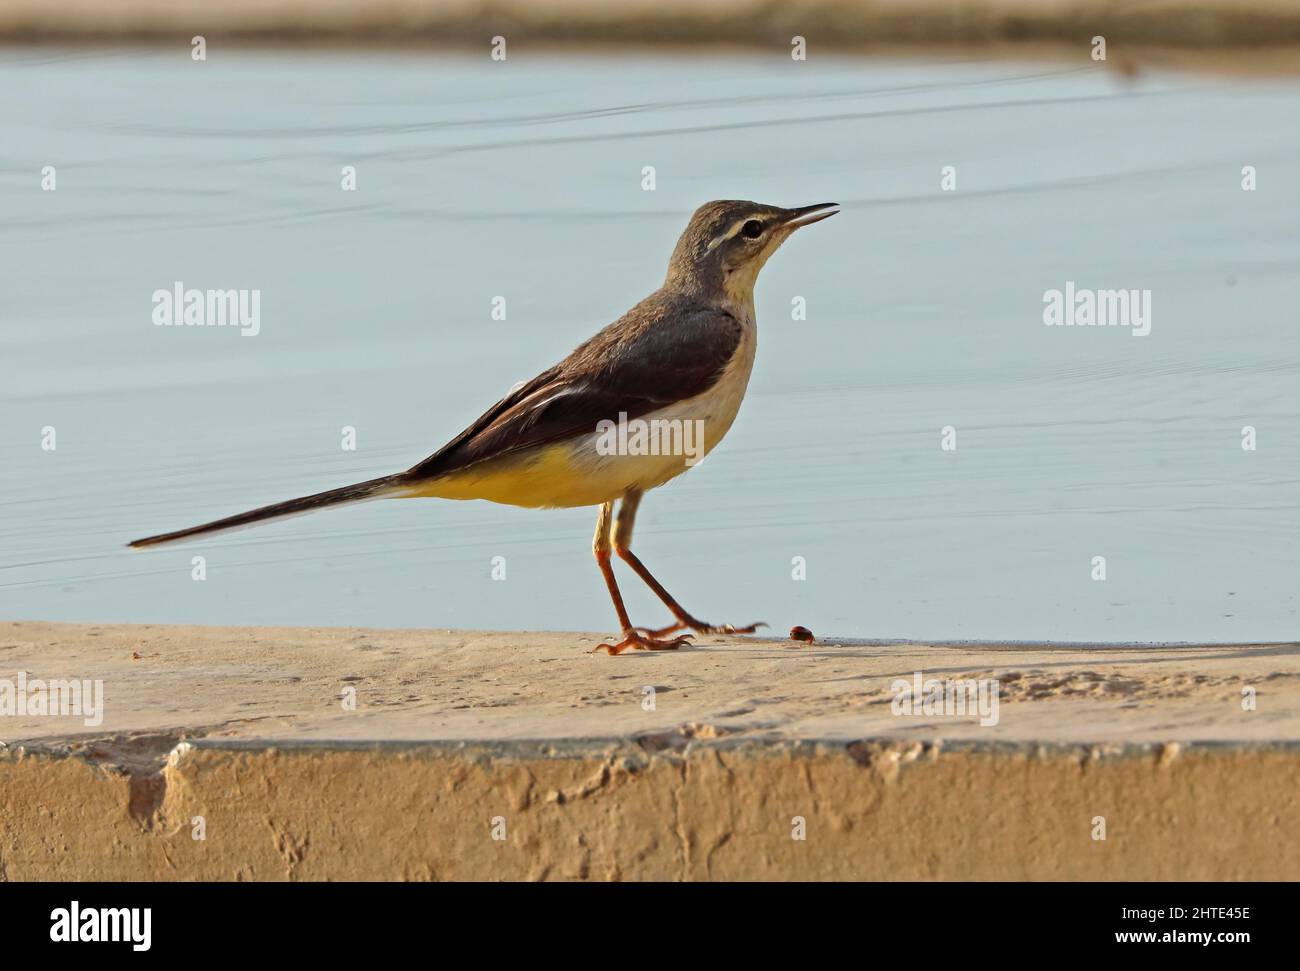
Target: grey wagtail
(677, 361)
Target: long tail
(375, 488)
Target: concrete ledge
(610, 810)
(458, 737)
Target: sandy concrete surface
(417, 685)
(520, 756)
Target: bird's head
(727, 243)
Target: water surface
(524, 180)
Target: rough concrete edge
(148, 761)
(159, 748)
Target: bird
(589, 431)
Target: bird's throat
(739, 289)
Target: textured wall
(693, 811)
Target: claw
(700, 627)
(642, 642)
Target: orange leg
(622, 541)
(684, 619)
(632, 637)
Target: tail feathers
(373, 489)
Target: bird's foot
(700, 627)
(642, 642)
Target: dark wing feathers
(659, 352)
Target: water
(524, 180)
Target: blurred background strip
(840, 24)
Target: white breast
(716, 408)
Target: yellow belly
(546, 477)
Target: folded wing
(659, 353)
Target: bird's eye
(752, 229)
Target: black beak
(807, 215)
